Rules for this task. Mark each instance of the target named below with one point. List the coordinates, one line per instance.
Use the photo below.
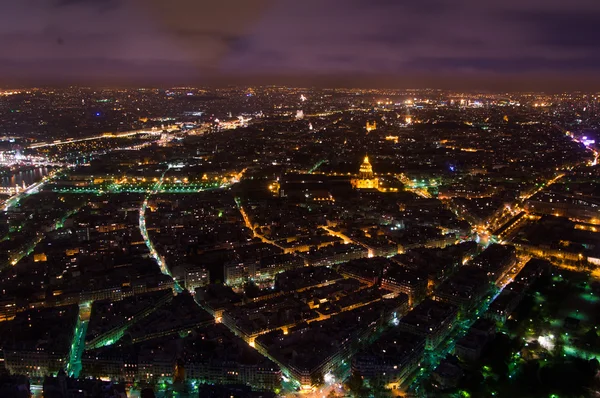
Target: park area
(548, 347)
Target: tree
(591, 340)
(316, 379)
(378, 388)
(559, 347)
(147, 393)
(355, 382)
(251, 290)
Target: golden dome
(366, 170)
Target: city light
(302, 241)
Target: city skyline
(299, 242)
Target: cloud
(563, 29)
(422, 7)
(385, 36)
(369, 38)
(100, 4)
(99, 71)
(507, 66)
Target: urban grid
(274, 241)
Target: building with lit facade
(335, 254)
(370, 126)
(366, 178)
(433, 320)
(561, 205)
(391, 359)
(465, 288)
(38, 342)
(307, 353)
(403, 280)
(196, 277)
(8, 309)
(111, 319)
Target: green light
(577, 315)
(589, 297)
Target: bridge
(154, 131)
(11, 190)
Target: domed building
(366, 179)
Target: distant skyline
(466, 44)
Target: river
(29, 176)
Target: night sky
(487, 44)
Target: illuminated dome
(366, 170)
(365, 179)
